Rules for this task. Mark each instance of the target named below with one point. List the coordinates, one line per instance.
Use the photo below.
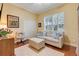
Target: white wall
(29, 28)
(77, 49)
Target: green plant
(3, 33)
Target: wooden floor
(67, 50)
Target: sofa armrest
(61, 41)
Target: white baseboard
(74, 45)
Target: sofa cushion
(54, 34)
(51, 39)
(49, 34)
(39, 34)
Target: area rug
(29, 51)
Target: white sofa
(49, 39)
(54, 42)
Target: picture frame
(39, 24)
(12, 21)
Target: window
(54, 22)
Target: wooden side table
(7, 47)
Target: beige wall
(70, 25)
(27, 20)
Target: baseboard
(70, 44)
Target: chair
(20, 37)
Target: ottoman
(37, 43)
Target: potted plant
(3, 32)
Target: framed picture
(39, 24)
(12, 21)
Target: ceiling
(37, 7)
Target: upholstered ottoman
(37, 43)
